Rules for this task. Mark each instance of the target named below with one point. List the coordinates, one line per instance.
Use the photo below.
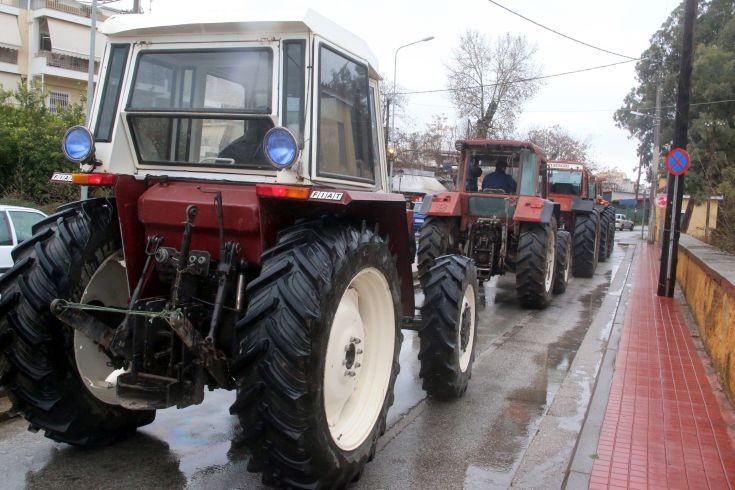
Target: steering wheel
(490, 190)
(218, 160)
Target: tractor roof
(237, 21)
(565, 165)
(498, 145)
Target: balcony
(72, 8)
(61, 65)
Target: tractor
(584, 213)
(499, 216)
(244, 239)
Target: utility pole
(654, 164)
(637, 192)
(90, 78)
(136, 6)
(672, 222)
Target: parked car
(418, 218)
(622, 222)
(16, 224)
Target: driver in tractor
(499, 179)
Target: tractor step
(138, 391)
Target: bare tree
(558, 144)
(490, 81)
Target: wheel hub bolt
(351, 374)
(355, 340)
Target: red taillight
(94, 179)
(282, 191)
(536, 204)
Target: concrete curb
(556, 445)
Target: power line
(520, 80)
(577, 111)
(559, 33)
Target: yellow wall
(74, 88)
(713, 307)
(697, 222)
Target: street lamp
(654, 163)
(393, 95)
(395, 77)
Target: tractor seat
(563, 188)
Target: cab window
(344, 142)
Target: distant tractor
(249, 244)
(500, 217)
(584, 213)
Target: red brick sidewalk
(663, 426)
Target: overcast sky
(583, 103)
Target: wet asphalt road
(475, 442)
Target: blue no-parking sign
(678, 161)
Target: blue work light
(281, 147)
(78, 144)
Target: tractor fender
(582, 206)
(384, 212)
(442, 204)
(535, 210)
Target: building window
(8, 55)
(58, 101)
(44, 38)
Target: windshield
(493, 172)
(565, 182)
(235, 80)
(219, 99)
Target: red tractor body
(500, 196)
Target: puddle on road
(513, 430)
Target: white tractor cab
(172, 104)
(250, 244)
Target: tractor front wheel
(437, 237)
(563, 261)
(535, 264)
(585, 244)
(318, 355)
(448, 336)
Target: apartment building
(48, 41)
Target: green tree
(490, 80)
(30, 145)
(712, 112)
(558, 144)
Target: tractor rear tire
(437, 237)
(563, 268)
(41, 374)
(610, 212)
(449, 333)
(606, 237)
(535, 263)
(585, 244)
(315, 367)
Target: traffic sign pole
(678, 161)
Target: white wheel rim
(550, 253)
(359, 359)
(108, 286)
(466, 330)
